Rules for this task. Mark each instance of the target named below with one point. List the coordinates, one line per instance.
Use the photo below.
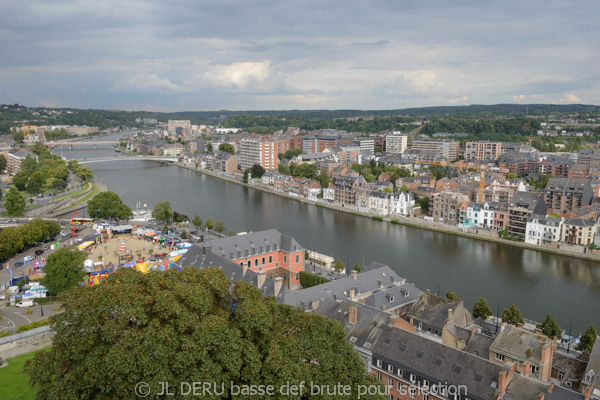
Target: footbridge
(126, 158)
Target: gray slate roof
(479, 345)
(457, 367)
(365, 282)
(434, 312)
(395, 297)
(241, 246)
(369, 325)
(512, 341)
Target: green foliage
(257, 171)
(309, 280)
(424, 203)
(209, 148)
(512, 316)
(586, 343)
(245, 177)
(289, 154)
(219, 226)
(108, 205)
(2, 162)
(227, 147)
(72, 165)
(404, 188)
(186, 326)
(32, 325)
(231, 233)
(162, 212)
(14, 202)
(64, 270)
(36, 180)
(481, 309)
(310, 171)
(14, 383)
(324, 179)
(283, 169)
(183, 234)
(357, 267)
(377, 218)
(550, 328)
(84, 173)
(378, 149)
(395, 221)
(18, 136)
(197, 221)
(339, 265)
(29, 165)
(20, 179)
(209, 223)
(450, 295)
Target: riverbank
(412, 221)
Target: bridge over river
(126, 158)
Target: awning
(150, 234)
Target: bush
(32, 325)
(377, 217)
(395, 221)
(308, 280)
(29, 311)
(2, 334)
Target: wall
(22, 338)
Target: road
(13, 317)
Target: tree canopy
(257, 171)
(512, 316)
(550, 328)
(481, 309)
(162, 212)
(64, 270)
(228, 147)
(450, 295)
(586, 343)
(108, 205)
(14, 202)
(13, 240)
(193, 325)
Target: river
(538, 283)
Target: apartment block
(447, 148)
(483, 151)
(173, 124)
(258, 150)
(395, 144)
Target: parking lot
(13, 317)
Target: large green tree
(227, 147)
(550, 328)
(20, 179)
(84, 173)
(14, 202)
(29, 165)
(219, 226)
(481, 309)
(2, 162)
(512, 316)
(64, 270)
(197, 221)
(162, 212)
(35, 183)
(11, 241)
(108, 205)
(586, 343)
(34, 231)
(257, 171)
(188, 326)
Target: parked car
(28, 258)
(25, 303)
(39, 252)
(18, 264)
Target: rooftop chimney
(449, 313)
(520, 326)
(352, 293)
(261, 276)
(277, 285)
(354, 274)
(244, 268)
(526, 369)
(538, 331)
(314, 304)
(424, 297)
(352, 315)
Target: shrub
(395, 221)
(377, 217)
(308, 280)
(32, 325)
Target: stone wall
(23, 338)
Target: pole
(41, 306)
(497, 314)
(569, 342)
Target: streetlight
(570, 338)
(497, 314)
(41, 306)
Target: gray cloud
(186, 54)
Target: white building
(379, 202)
(329, 194)
(225, 131)
(313, 193)
(541, 229)
(395, 144)
(401, 203)
(173, 150)
(479, 216)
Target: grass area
(13, 381)
(77, 193)
(95, 191)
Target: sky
(194, 55)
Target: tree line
(13, 240)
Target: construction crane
(482, 169)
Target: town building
(483, 151)
(543, 230)
(173, 124)
(395, 144)
(447, 148)
(318, 143)
(346, 187)
(445, 206)
(259, 150)
(520, 209)
(402, 203)
(14, 159)
(563, 195)
(578, 231)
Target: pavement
(13, 317)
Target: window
(412, 392)
(264, 261)
(535, 369)
(297, 258)
(379, 376)
(379, 363)
(413, 378)
(297, 275)
(390, 368)
(561, 376)
(400, 373)
(399, 386)
(284, 258)
(390, 382)
(425, 397)
(270, 259)
(499, 357)
(256, 262)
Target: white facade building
(401, 203)
(379, 203)
(543, 230)
(395, 144)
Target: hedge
(308, 280)
(395, 221)
(32, 325)
(377, 217)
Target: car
(39, 252)
(19, 264)
(51, 212)
(28, 258)
(1, 267)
